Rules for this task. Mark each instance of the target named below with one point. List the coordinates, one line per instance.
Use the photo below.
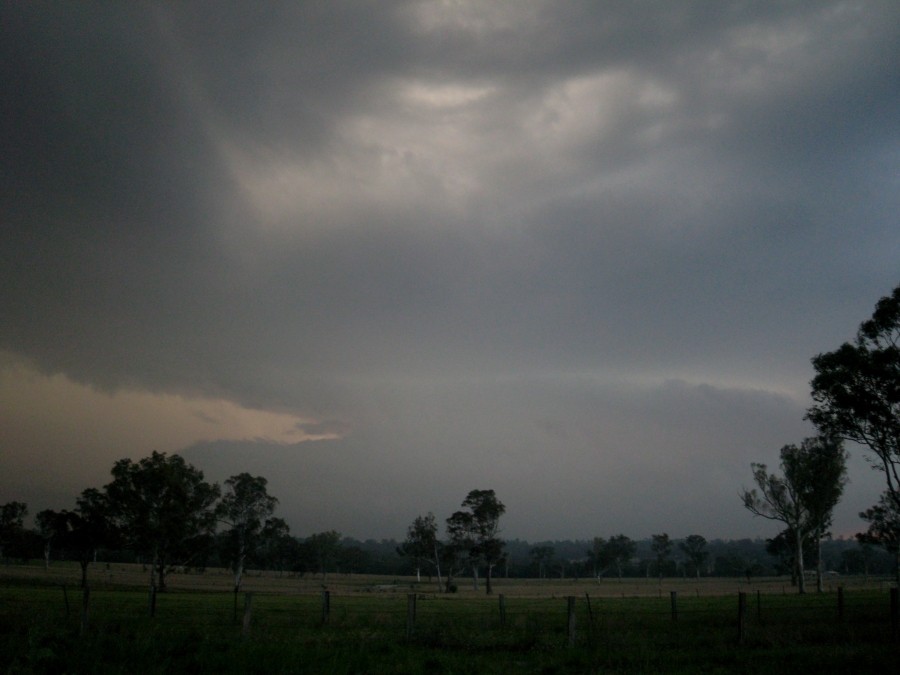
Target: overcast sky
(384, 253)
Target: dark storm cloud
(371, 214)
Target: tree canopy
(422, 545)
(814, 475)
(856, 390)
(164, 509)
(476, 529)
(246, 507)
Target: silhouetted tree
(621, 550)
(52, 525)
(477, 529)
(12, 519)
(542, 556)
(422, 545)
(804, 497)
(662, 548)
(164, 509)
(856, 390)
(694, 548)
(325, 547)
(246, 507)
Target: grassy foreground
(368, 631)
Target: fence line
(601, 616)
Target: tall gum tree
(856, 390)
(814, 475)
(246, 508)
(422, 545)
(477, 528)
(164, 509)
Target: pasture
(394, 625)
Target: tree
(662, 547)
(542, 556)
(477, 530)
(277, 546)
(598, 557)
(825, 467)
(457, 551)
(856, 390)
(246, 507)
(51, 525)
(422, 544)
(884, 528)
(621, 550)
(324, 547)
(88, 528)
(164, 509)
(12, 519)
(804, 497)
(694, 548)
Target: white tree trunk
(798, 543)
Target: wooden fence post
(502, 600)
(151, 601)
(248, 612)
(410, 615)
(587, 597)
(742, 615)
(85, 605)
(326, 605)
(673, 596)
(570, 607)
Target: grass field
(625, 626)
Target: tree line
(163, 511)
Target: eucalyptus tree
(51, 525)
(324, 548)
(856, 390)
(803, 498)
(542, 556)
(12, 521)
(246, 508)
(422, 545)
(164, 509)
(475, 530)
(598, 557)
(694, 548)
(89, 528)
(662, 549)
(620, 551)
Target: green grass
(197, 632)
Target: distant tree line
(160, 511)
(84, 539)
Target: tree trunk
(487, 580)
(819, 587)
(798, 544)
(84, 567)
(238, 574)
(161, 574)
(437, 563)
